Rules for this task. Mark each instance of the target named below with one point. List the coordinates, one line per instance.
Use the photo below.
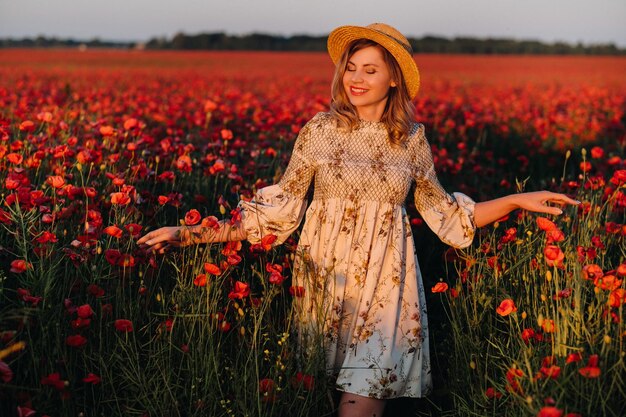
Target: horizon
(571, 22)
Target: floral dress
(364, 297)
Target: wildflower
(549, 369)
(84, 311)
(226, 134)
(133, 229)
(23, 411)
(506, 307)
(107, 130)
(200, 280)
(591, 370)
(573, 357)
(192, 217)
(591, 272)
(6, 374)
(492, 393)
(130, 123)
(95, 290)
(511, 376)
(123, 325)
(548, 326)
(439, 287)
(266, 389)
(607, 282)
(554, 256)
(211, 222)
(120, 199)
(92, 379)
(212, 269)
(267, 241)
(545, 224)
(550, 412)
(19, 266)
(113, 231)
(54, 380)
(55, 181)
(617, 297)
(305, 381)
(241, 290)
(76, 341)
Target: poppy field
(99, 147)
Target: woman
(364, 293)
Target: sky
(571, 21)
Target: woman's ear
(393, 84)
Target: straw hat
(387, 37)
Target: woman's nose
(357, 76)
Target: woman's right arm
(160, 240)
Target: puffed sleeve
(278, 209)
(450, 216)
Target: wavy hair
(399, 113)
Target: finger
(145, 237)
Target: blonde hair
(399, 113)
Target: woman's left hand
(538, 201)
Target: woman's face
(366, 82)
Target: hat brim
(340, 38)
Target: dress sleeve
(278, 209)
(450, 216)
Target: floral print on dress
(364, 297)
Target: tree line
(265, 42)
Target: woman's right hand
(163, 239)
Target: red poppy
(607, 282)
(112, 256)
(163, 200)
(211, 222)
(192, 217)
(47, 237)
(130, 123)
(305, 381)
(133, 229)
(92, 379)
(54, 380)
(6, 374)
(591, 370)
(492, 393)
(75, 341)
(548, 326)
(212, 269)
(506, 307)
(15, 158)
(95, 290)
(226, 134)
(19, 266)
(84, 311)
(574, 357)
(439, 287)
(120, 199)
(113, 231)
(550, 412)
(545, 224)
(200, 280)
(554, 256)
(266, 389)
(617, 297)
(123, 325)
(107, 130)
(240, 290)
(27, 126)
(592, 272)
(55, 181)
(268, 241)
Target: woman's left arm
(489, 211)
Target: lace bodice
(361, 165)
